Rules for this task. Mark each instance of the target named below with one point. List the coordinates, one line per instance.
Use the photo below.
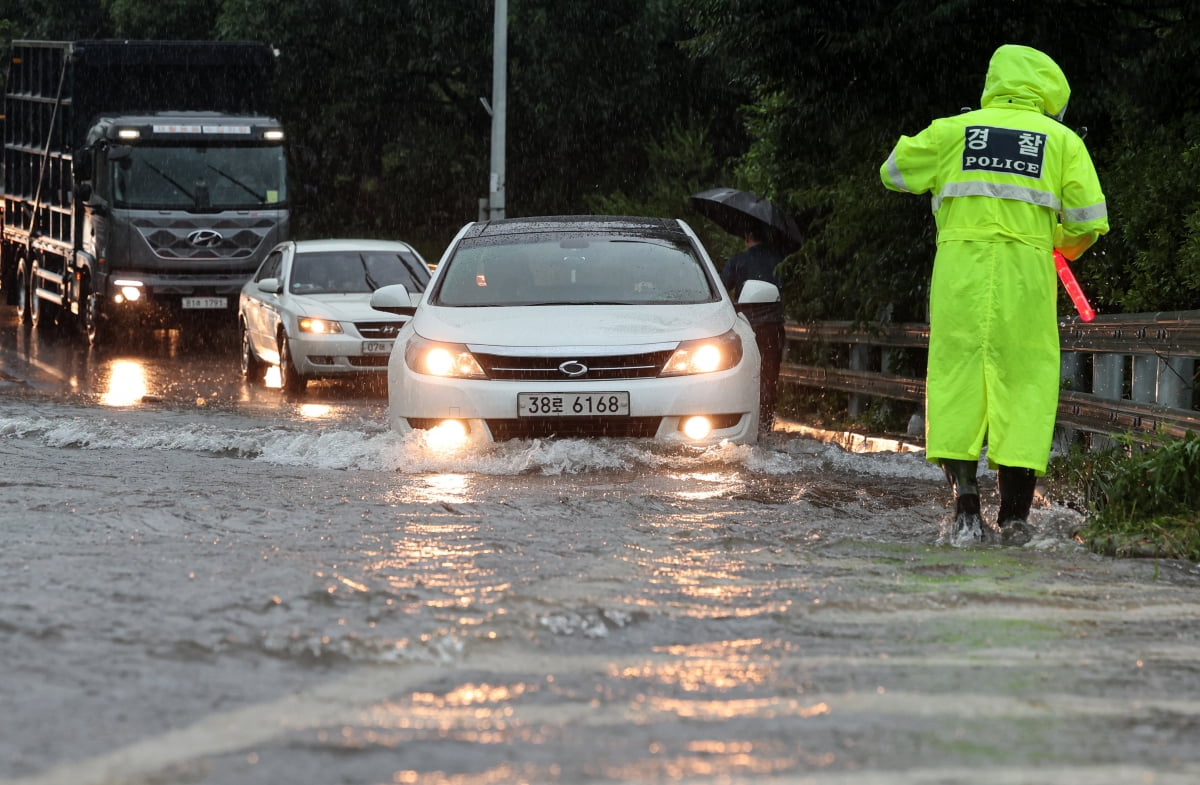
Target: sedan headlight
(449, 360)
(319, 326)
(705, 356)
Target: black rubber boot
(968, 526)
(1017, 485)
(961, 475)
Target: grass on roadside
(1140, 500)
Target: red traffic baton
(1086, 312)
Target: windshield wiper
(238, 183)
(171, 180)
(371, 282)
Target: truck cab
(178, 211)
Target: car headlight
(705, 355)
(449, 360)
(319, 326)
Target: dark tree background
(631, 105)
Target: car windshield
(355, 272)
(578, 270)
(177, 177)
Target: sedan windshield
(356, 272)
(594, 270)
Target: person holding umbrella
(758, 263)
(1010, 184)
(766, 231)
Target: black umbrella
(738, 211)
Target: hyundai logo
(389, 329)
(573, 368)
(205, 238)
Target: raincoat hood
(1022, 75)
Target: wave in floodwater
(365, 445)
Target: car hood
(574, 325)
(342, 307)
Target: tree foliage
(835, 87)
(634, 104)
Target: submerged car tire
(253, 369)
(290, 379)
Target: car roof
(349, 244)
(615, 224)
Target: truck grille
(230, 239)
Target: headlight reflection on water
(713, 485)
(126, 384)
(448, 487)
(315, 410)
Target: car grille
(617, 366)
(578, 427)
(369, 361)
(567, 427)
(383, 331)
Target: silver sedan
(307, 309)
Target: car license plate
(205, 302)
(377, 347)
(596, 404)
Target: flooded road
(205, 583)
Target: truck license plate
(377, 347)
(192, 303)
(606, 404)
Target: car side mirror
(270, 286)
(396, 299)
(754, 292)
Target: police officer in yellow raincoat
(1010, 184)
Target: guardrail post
(1108, 381)
(1072, 378)
(1144, 385)
(1108, 375)
(860, 360)
(1176, 382)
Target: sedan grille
(646, 365)
(369, 361)
(578, 427)
(378, 330)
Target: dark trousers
(769, 338)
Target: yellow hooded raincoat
(1009, 184)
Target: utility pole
(499, 110)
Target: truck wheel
(35, 302)
(23, 314)
(253, 368)
(290, 379)
(95, 327)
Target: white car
(308, 309)
(575, 326)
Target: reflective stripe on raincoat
(1009, 184)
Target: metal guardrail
(1143, 369)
